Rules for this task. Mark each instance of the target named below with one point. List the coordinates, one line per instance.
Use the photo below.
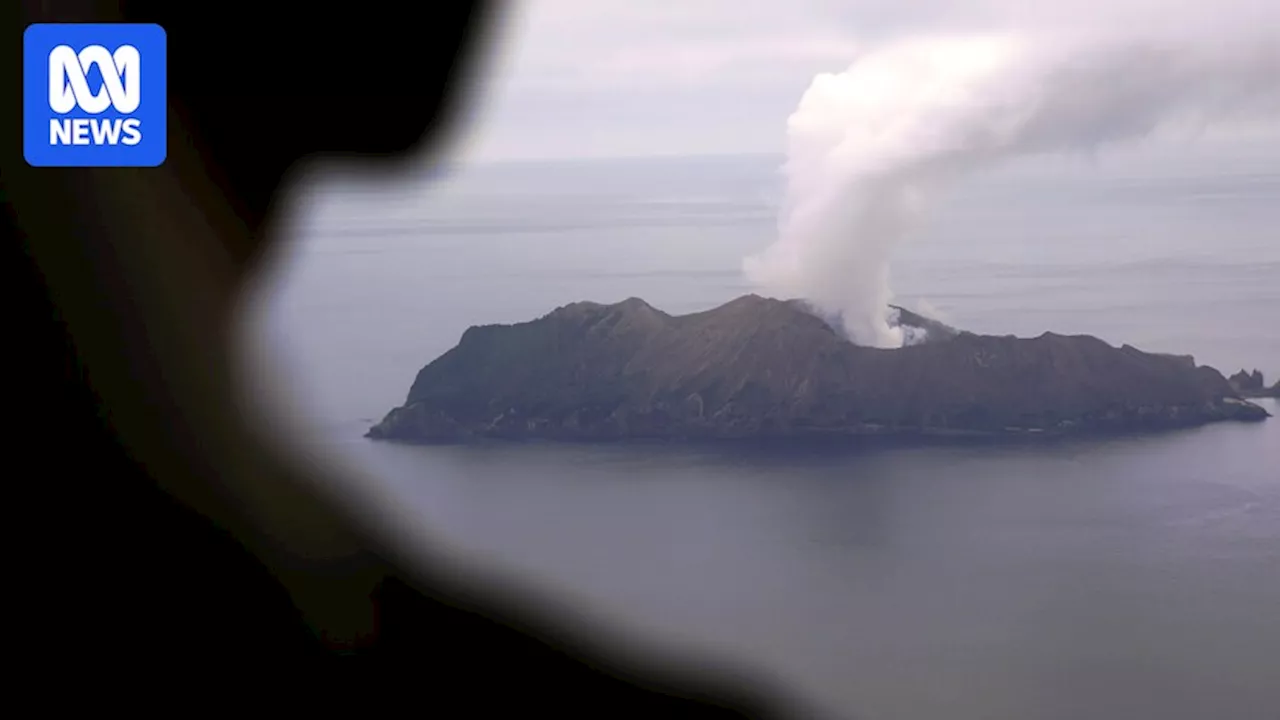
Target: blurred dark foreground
(169, 541)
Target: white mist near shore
(867, 147)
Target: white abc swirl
(123, 95)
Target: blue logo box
(94, 95)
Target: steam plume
(867, 146)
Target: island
(1252, 385)
(757, 368)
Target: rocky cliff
(758, 367)
(1252, 385)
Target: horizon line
(474, 162)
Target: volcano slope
(761, 368)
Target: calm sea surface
(1127, 579)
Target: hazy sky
(583, 78)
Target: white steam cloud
(867, 146)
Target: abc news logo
(69, 89)
(94, 95)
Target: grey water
(1130, 578)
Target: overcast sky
(592, 78)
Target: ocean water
(1126, 579)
